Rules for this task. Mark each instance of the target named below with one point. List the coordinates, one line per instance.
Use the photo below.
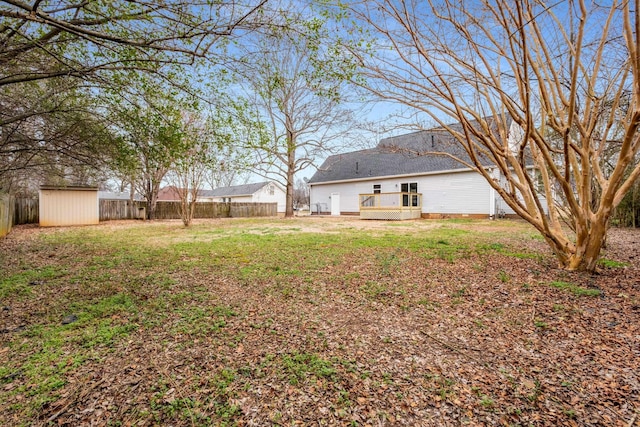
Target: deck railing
(399, 201)
(390, 206)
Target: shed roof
(69, 188)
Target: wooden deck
(390, 206)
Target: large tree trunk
(192, 203)
(589, 246)
(151, 206)
(152, 199)
(291, 164)
(585, 253)
(132, 195)
(185, 208)
(289, 209)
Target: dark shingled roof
(415, 153)
(234, 190)
(398, 155)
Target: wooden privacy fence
(6, 214)
(171, 210)
(25, 210)
(120, 209)
(248, 210)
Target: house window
(377, 189)
(272, 190)
(409, 187)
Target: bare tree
(296, 86)
(187, 176)
(566, 75)
(230, 168)
(202, 141)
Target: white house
(395, 181)
(261, 192)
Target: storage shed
(60, 206)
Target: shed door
(335, 204)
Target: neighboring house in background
(395, 181)
(261, 192)
(171, 193)
(168, 194)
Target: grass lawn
(314, 321)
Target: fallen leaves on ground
(478, 340)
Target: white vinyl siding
(320, 200)
(271, 193)
(456, 193)
(503, 208)
(240, 199)
(448, 193)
